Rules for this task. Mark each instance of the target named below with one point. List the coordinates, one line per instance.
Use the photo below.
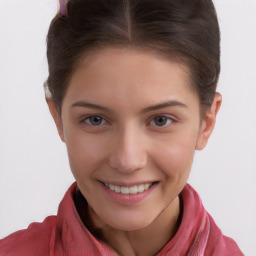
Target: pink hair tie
(63, 7)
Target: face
(131, 124)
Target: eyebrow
(171, 103)
(90, 105)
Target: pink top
(65, 234)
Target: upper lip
(127, 184)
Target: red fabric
(65, 234)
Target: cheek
(175, 155)
(86, 152)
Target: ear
(208, 122)
(56, 117)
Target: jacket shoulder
(220, 245)
(35, 240)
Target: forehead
(115, 73)
(132, 59)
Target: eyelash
(83, 121)
(170, 121)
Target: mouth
(131, 190)
(129, 194)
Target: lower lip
(128, 198)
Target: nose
(129, 151)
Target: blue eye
(95, 121)
(161, 121)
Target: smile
(129, 190)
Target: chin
(132, 223)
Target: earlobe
(56, 117)
(208, 122)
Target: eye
(161, 121)
(95, 121)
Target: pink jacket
(65, 234)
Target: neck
(134, 243)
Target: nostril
(128, 153)
(126, 162)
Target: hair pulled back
(185, 31)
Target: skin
(129, 146)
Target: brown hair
(186, 31)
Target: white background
(34, 170)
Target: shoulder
(35, 240)
(207, 235)
(220, 245)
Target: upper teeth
(129, 190)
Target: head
(132, 89)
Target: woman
(132, 90)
